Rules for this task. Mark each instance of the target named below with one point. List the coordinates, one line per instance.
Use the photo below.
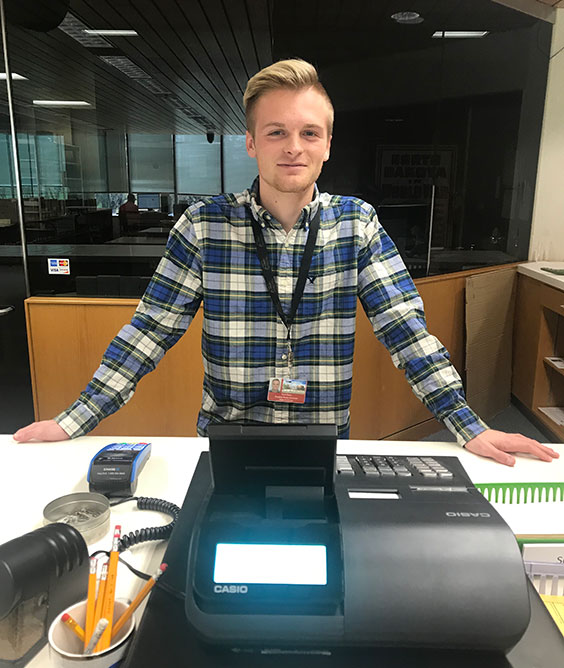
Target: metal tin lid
(88, 512)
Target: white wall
(547, 232)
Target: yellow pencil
(73, 625)
(100, 596)
(110, 593)
(90, 601)
(98, 630)
(137, 600)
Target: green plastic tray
(522, 492)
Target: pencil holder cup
(65, 648)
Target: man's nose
(293, 144)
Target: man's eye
(310, 133)
(275, 132)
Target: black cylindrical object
(41, 574)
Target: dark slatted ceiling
(331, 32)
(200, 53)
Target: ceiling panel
(194, 57)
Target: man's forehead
(282, 115)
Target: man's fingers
(544, 453)
(501, 457)
(537, 449)
(489, 450)
(25, 433)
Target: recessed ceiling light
(76, 29)
(458, 34)
(15, 77)
(61, 103)
(407, 17)
(112, 33)
(126, 66)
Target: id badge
(287, 390)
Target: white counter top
(34, 474)
(533, 270)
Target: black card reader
(114, 470)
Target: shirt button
(284, 357)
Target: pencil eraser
(65, 617)
(163, 567)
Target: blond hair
(294, 74)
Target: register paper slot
(374, 494)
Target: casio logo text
(230, 589)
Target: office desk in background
(162, 231)
(140, 240)
(34, 474)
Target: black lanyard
(268, 274)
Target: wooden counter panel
(383, 402)
(67, 339)
(526, 338)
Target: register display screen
(270, 564)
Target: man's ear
(250, 144)
(328, 151)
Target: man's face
(291, 140)
(276, 386)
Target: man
(127, 207)
(278, 269)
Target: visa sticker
(58, 265)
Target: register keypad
(388, 466)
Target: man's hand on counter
(46, 430)
(498, 445)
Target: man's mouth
(291, 164)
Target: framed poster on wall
(406, 174)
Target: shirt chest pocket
(322, 282)
(329, 294)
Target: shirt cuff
(464, 423)
(77, 420)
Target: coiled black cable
(150, 533)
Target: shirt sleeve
(395, 309)
(164, 313)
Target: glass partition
(118, 134)
(238, 168)
(198, 168)
(16, 405)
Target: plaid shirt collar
(265, 218)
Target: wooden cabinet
(538, 382)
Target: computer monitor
(148, 201)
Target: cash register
(286, 551)
(295, 546)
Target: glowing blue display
(270, 564)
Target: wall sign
(405, 175)
(58, 265)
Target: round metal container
(88, 512)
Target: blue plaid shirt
(211, 260)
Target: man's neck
(285, 207)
